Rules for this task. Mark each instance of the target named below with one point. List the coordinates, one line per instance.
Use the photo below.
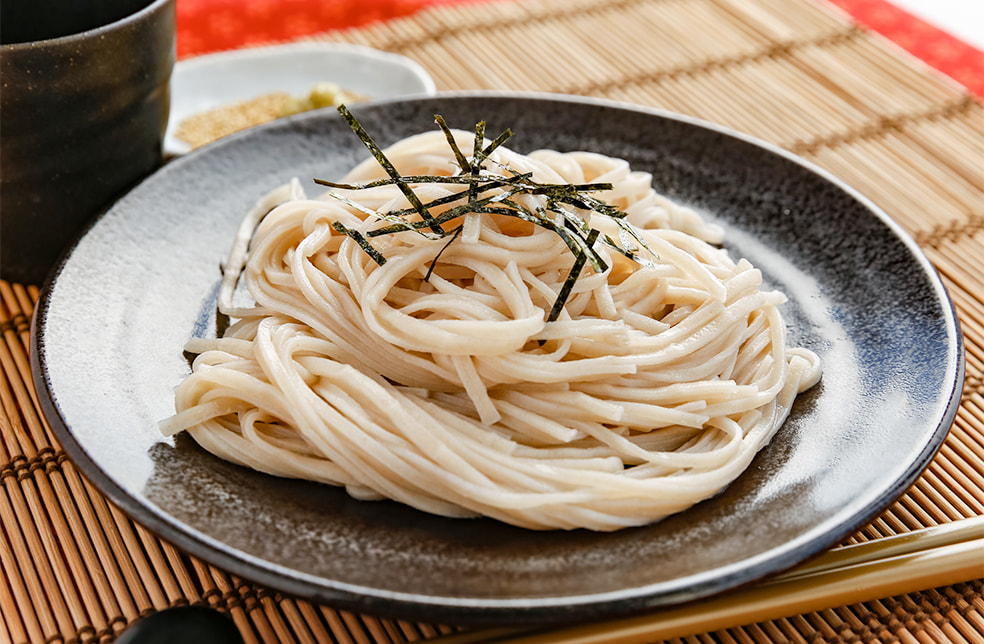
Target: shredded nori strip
(556, 216)
(430, 269)
(361, 241)
(386, 164)
(458, 154)
(565, 290)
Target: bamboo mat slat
(796, 73)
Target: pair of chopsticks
(926, 558)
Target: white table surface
(963, 19)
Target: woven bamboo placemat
(792, 72)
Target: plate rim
(526, 610)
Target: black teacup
(83, 109)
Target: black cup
(83, 108)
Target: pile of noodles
(435, 379)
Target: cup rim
(136, 16)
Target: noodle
(435, 378)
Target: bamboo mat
(792, 72)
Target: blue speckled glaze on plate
(115, 314)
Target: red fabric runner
(952, 56)
(213, 25)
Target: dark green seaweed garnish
(477, 179)
(361, 241)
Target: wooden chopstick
(927, 558)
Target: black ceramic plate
(116, 313)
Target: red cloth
(213, 25)
(952, 56)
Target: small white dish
(210, 81)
